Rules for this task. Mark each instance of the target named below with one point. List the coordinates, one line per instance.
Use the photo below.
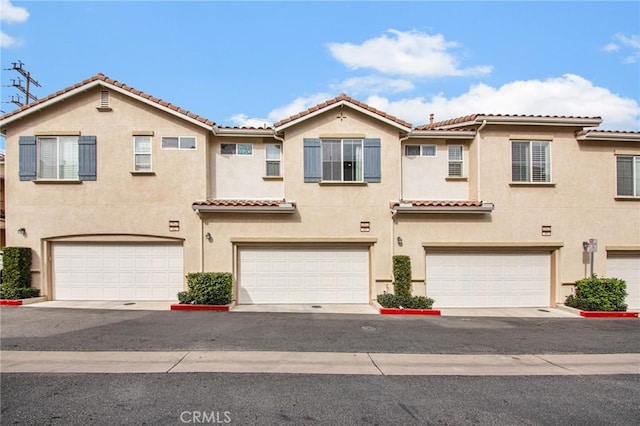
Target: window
(179, 142)
(142, 153)
(342, 160)
(272, 156)
(236, 149)
(455, 160)
(417, 150)
(57, 157)
(530, 161)
(628, 175)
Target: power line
(24, 85)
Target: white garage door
(303, 275)
(627, 267)
(117, 271)
(487, 280)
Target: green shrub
(18, 292)
(388, 300)
(16, 267)
(402, 276)
(207, 288)
(599, 294)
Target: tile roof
(342, 97)
(437, 203)
(240, 203)
(102, 77)
(473, 117)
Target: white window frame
(137, 153)
(268, 161)
(423, 150)
(451, 161)
(179, 138)
(530, 163)
(635, 176)
(359, 176)
(58, 165)
(235, 149)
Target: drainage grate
(129, 303)
(316, 306)
(543, 310)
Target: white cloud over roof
(11, 14)
(410, 53)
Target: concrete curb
(341, 363)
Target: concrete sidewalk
(360, 309)
(318, 363)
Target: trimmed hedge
(14, 293)
(402, 276)
(207, 288)
(599, 294)
(16, 267)
(388, 300)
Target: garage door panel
(627, 267)
(488, 279)
(93, 271)
(303, 275)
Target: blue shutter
(312, 160)
(372, 160)
(87, 158)
(28, 159)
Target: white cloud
(373, 84)
(241, 120)
(569, 95)
(410, 53)
(628, 45)
(10, 13)
(566, 95)
(7, 41)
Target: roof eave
(484, 208)
(283, 208)
(91, 85)
(439, 134)
(538, 121)
(339, 104)
(595, 135)
(257, 133)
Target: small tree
(16, 264)
(402, 276)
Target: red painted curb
(398, 311)
(189, 307)
(604, 314)
(10, 302)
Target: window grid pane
(143, 162)
(411, 150)
(272, 151)
(428, 150)
(520, 162)
(169, 143)
(636, 173)
(187, 143)
(47, 158)
(624, 168)
(68, 157)
(273, 168)
(331, 160)
(540, 163)
(244, 149)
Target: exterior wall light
(400, 241)
(208, 236)
(22, 231)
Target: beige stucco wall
(425, 178)
(243, 176)
(578, 205)
(118, 202)
(324, 213)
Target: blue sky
(251, 63)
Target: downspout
(484, 123)
(281, 140)
(201, 240)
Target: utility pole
(22, 84)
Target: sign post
(592, 248)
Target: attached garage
(279, 275)
(626, 267)
(488, 280)
(117, 271)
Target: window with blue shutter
(27, 157)
(312, 160)
(87, 169)
(372, 169)
(57, 158)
